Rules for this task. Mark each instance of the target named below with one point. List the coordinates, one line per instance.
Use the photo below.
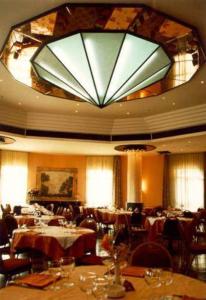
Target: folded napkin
(185, 297)
(37, 280)
(128, 286)
(134, 271)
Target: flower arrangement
(117, 251)
(33, 192)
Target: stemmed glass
(67, 267)
(54, 268)
(86, 280)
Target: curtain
(99, 181)
(117, 184)
(14, 171)
(165, 192)
(186, 180)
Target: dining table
(181, 287)
(155, 225)
(55, 241)
(117, 217)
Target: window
(99, 182)
(14, 171)
(186, 181)
(189, 188)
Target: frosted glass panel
(102, 66)
(133, 53)
(102, 52)
(156, 77)
(156, 62)
(48, 61)
(49, 77)
(71, 53)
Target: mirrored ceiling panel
(179, 41)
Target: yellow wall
(152, 177)
(152, 174)
(58, 161)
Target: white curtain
(186, 180)
(99, 181)
(14, 171)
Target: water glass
(86, 280)
(67, 267)
(54, 268)
(166, 276)
(152, 277)
(100, 288)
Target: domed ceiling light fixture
(135, 148)
(102, 53)
(101, 67)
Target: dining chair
(89, 223)
(11, 224)
(151, 255)
(192, 246)
(13, 266)
(4, 238)
(171, 234)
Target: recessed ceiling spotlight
(76, 111)
(1, 80)
(173, 103)
(77, 104)
(6, 140)
(120, 105)
(163, 98)
(37, 97)
(19, 103)
(128, 113)
(202, 82)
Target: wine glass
(86, 280)
(61, 222)
(67, 267)
(100, 288)
(54, 268)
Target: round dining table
(55, 241)
(155, 225)
(183, 287)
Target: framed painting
(58, 182)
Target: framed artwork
(58, 182)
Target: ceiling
(16, 96)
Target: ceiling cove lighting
(101, 67)
(135, 148)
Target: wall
(58, 161)
(152, 174)
(152, 177)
